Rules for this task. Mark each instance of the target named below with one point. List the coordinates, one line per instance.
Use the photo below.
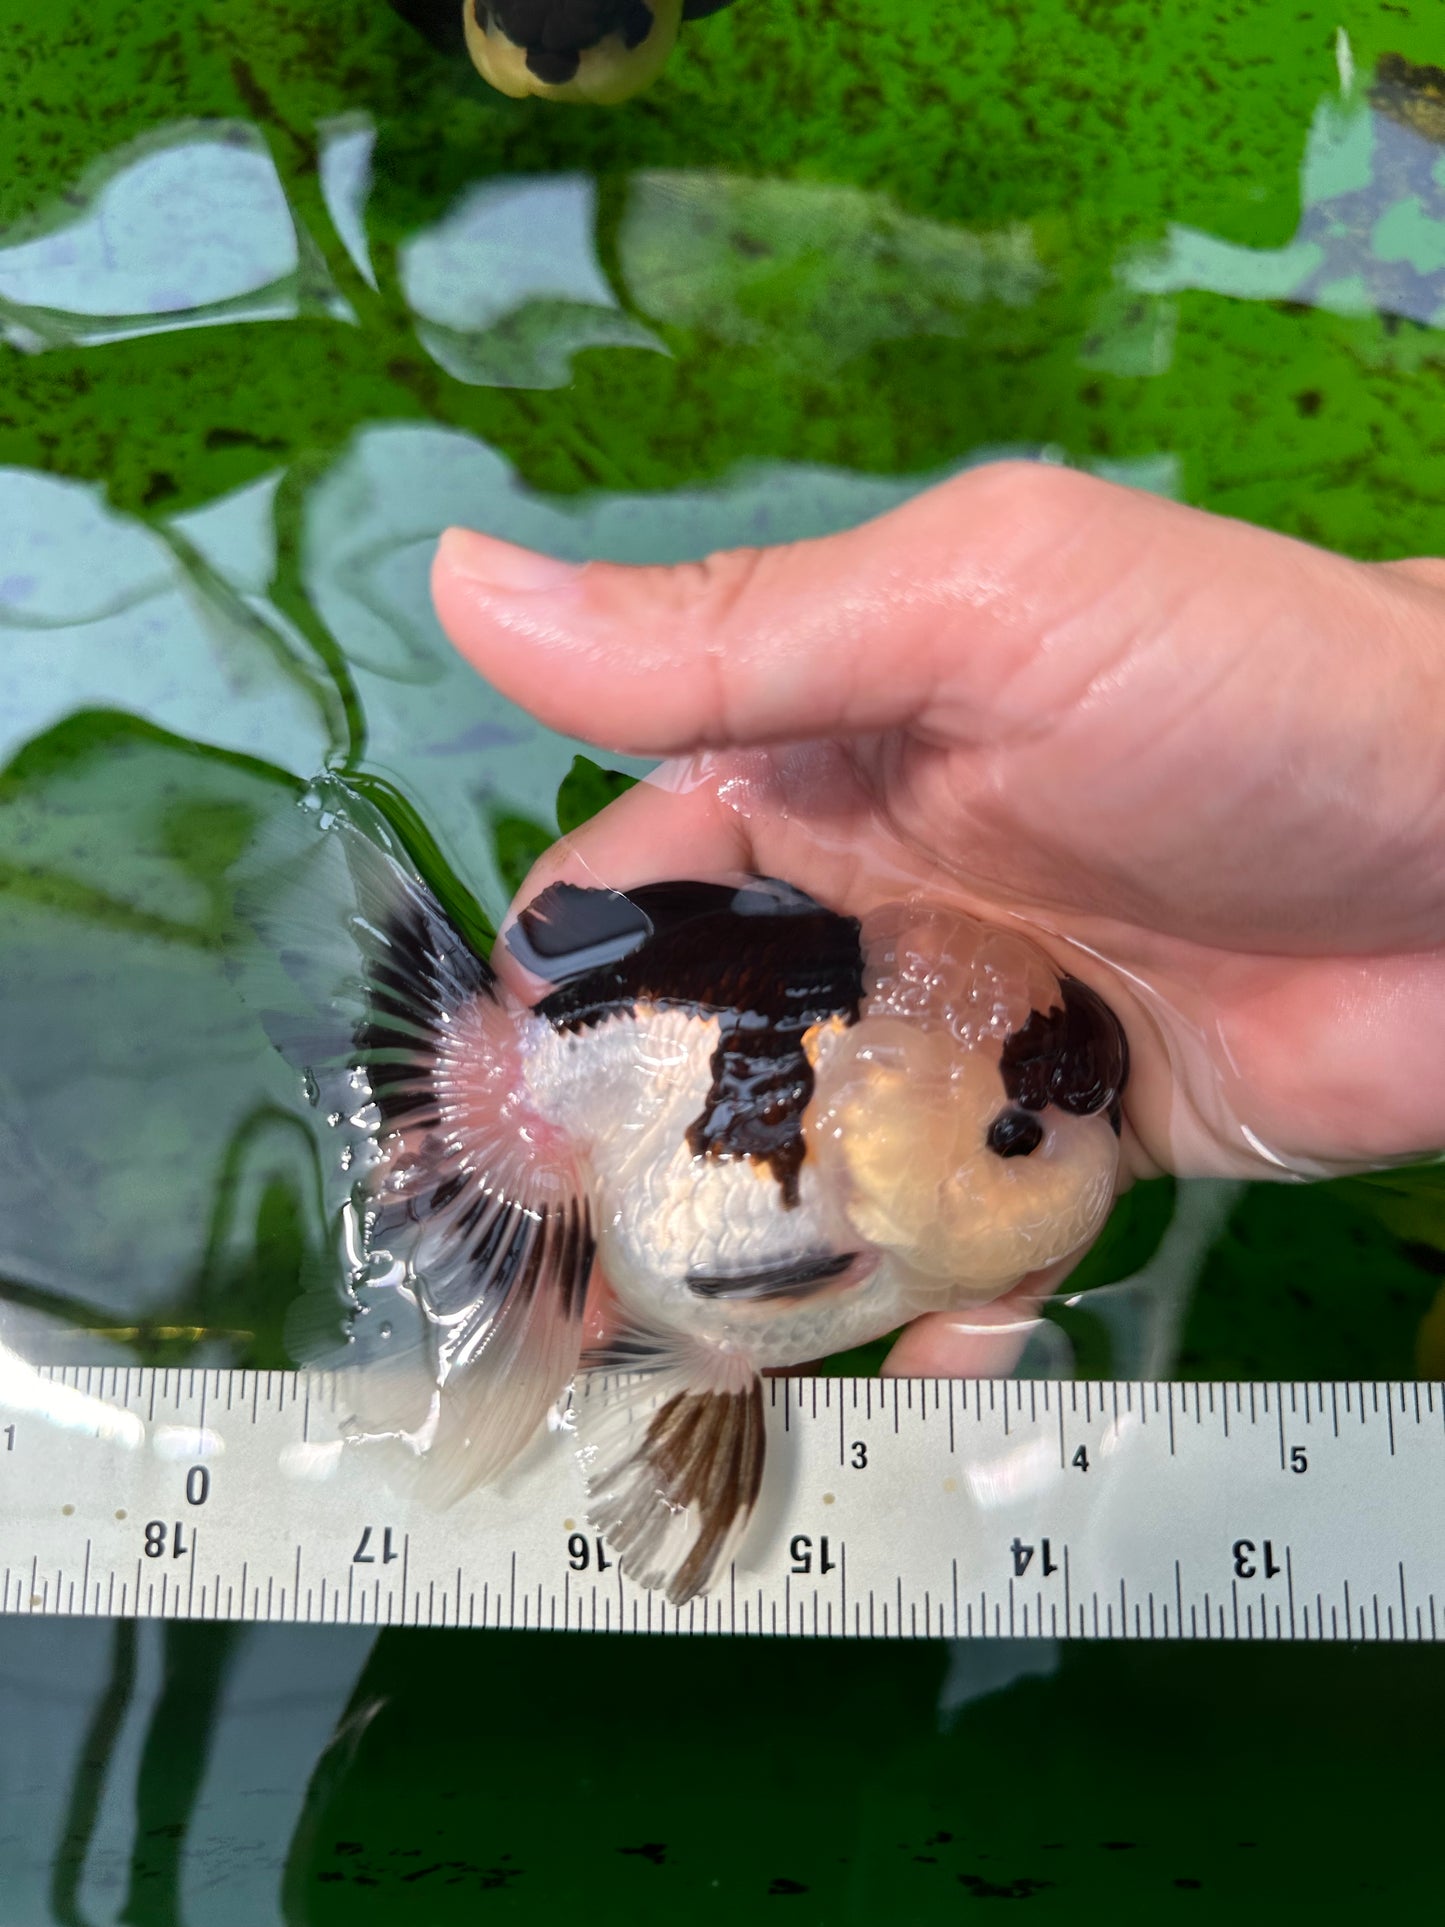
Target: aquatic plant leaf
(518, 843)
(585, 789)
(1307, 1283)
(131, 1070)
(1410, 1203)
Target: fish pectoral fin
(671, 1439)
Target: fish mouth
(795, 1278)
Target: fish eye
(1014, 1134)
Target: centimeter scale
(894, 1508)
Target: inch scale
(894, 1508)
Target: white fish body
(626, 1094)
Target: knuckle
(1038, 493)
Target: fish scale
(630, 1087)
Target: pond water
(283, 292)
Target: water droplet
(385, 1328)
(310, 1087)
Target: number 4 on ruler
(1023, 1556)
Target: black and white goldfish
(602, 51)
(744, 1129)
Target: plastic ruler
(893, 1508)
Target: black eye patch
(1075, 1056)
(1014, 1134)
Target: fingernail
(503, 566)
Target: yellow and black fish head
(598, 51)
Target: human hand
(1203, 763)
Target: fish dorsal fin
(467, 1240)
(569, 930)
(671, 1439)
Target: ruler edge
(303, 1383)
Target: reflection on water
(279, 305)
(755, 262)
(157, 1773)
(1371, 238)
(189, 229)
(169, 620)
(347, 144)
(495, 309)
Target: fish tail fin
(466, 1236)
(672, 1442)
(456, 1399)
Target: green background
(283, 291)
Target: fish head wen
(969, 1122)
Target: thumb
(935, 615)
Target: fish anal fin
(674, 1459)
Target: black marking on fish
(440, 21)
(556, 33)
(797, 1279)
(707, 1450)
(1014, 1134)
(1075, 1056)
(553, 69)
(764, 959)
(762, 1083)
(569, 930)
